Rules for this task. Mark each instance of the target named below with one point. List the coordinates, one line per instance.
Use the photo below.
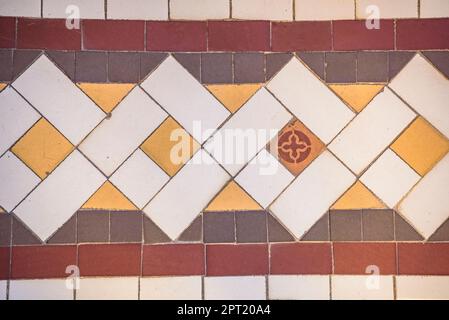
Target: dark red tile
(173, 260)
(237, 260)
(353, 35)
(4, 262)
(49, 34)
(42, 262)
(422, 34)
(109, 259)
(354, 258)
(7, 32)
(423, 258)
(299, 36)
(301, 258)
(239, 36)
(113, 35)
(176, 36)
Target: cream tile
(234, 288)
(88, 9)
(58, 99)
(3, 288)
(19, 181)
(387, 9)
(264, 178)
(139, 178)
(248, 131)
(134, 119)
(390, 178)
(422, 288)
(138, 9)
(199, 9)
(426, 205)
(372, 131)
(108, 289)
(187, 194)
(312, 102)
(298, 287)
(262, 10)
(171, 288)
(187, 101)
(47, 289)
(369, 287)
(16, 117)
(20, 8)
(55, 200)
(306, 200)
(434, 9)
(426, 90)
(324, 10)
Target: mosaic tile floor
(206, 149)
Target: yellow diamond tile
(233, 198)
(3, 86)
(42, 148)
(421, 146)
(233, 96)
(358, 197)
(106, 95)
(108, 197)
(170, 146)
(357, 96)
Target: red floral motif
(294, 146)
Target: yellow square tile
(421, 146)
(42, 148)
(170, 146)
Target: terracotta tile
(93, 226)
(49, 34)
(239, 36)
(7, 32)
(192, 63)
(4, 262)
(275, 62)
(6, 63)
(66, 234)
(22, 235)
(315, 61)
(354, 258)
(277, 232)
(251, 226)
(41, 262)
(249, 67)
(372, 67)
(353, 35)
(194, 233)
(113, 35)
(5, 229)
(150, 61)
(423, 34)
(65, 61)
(440, 59)
(173, 260)
(152, 233)
(123, 67)
(442, 233)
(303, 35)
(126, 226)
(319, 231)
(378, 225)
(91, 67)
(404, 231)
(216, 68)
(301, 258)
(22, 59)
(109, 260)
(346, 225)
(423, 259)
(341, 67)
(176, 36)
(219, 227)
(397, 61)
(237, 260)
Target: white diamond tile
(20, 8)
(426, 90)
(45, 289)
(434, 8)
(324, 10)
(16, 117)
(426, 206)
(387, 9)
(136, 117)
(264, 178)
(126, 288)
(50, 91)
(280, 10)
(248, 131)
(187, 194)
(234, 288)
(138, 9)
(60, 195)
(312, 193)
(310, 100)
(18, 181)
(88, 9)
(178, 92)
(298, 287)
(171, 288)
(199, 9)
(139, 178)
(422, 288)
(372, 287)
(372, 131)
(390, 178)
(3, 288)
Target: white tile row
(278, 10)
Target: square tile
(378, 225)
(171, 288)
(91, 66)
(219, 227)
(249, 67)
(126, 226)
(251, 227)
(123, 67)
(234, 288)
(346, 225)
(362, 287)
(48, 289)
(93, 226)
(118, 288)
(372, 66)
(216, 68)
(298, 287)
(341, 67)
